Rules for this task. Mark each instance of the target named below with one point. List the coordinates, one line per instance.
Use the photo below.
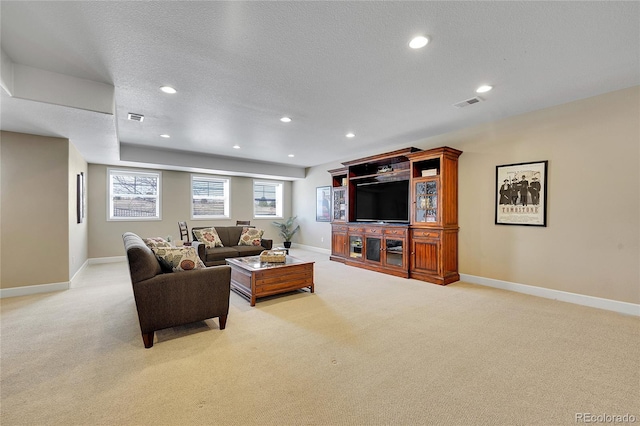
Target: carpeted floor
(365, 349)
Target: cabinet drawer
(396, 232)
(377, 231)
(356, 229)
(425, 234)
(341, 228)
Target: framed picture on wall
(521, 194)
(323, 203)
(80, 196)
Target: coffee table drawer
(296, 277)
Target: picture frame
(323, 204)
(80, 197)
(521, 194)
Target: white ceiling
(333, 67)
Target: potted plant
(287, 230)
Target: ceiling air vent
(135, 117)
(468, 102)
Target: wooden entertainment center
(372, 228)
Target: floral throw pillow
(178, 259)
(208, 236)
(250, 237)
(156, 242)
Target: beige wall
(78, 232)
(312, 233)
(1, 192)
(591, 243)
(35, 210)
(105, 237)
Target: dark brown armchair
(167, 300)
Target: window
(209, 197)
(267, 199)
(133, 195)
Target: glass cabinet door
(355, 246)
(373, 249)
(394, 250)
(426, 207)
(339, 212)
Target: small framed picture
(80, 197)
(323, 203)
(521, 194)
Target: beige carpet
(365, 349)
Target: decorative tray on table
(273, 256)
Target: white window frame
(158, 196)
(226, 196)
(279, 186)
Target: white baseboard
(311, 248)
(41, 288)
(47, 288)
(563, 296)
(84, 265)
(32, 289)
(113, 259)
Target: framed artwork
(521, 194)
(80, 196)
(323, 203)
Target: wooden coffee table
(253, 279)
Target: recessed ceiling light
(291, 155)
(165, 136)
(350, 135)
(418, 42)
(285, 119)
(236, 147)
(483, 89)
(168, 89)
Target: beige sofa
(230, 236)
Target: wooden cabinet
(339, 240)
(434, 256)
(339, 195)
(434, 215)
(382, 248)
(385, 249)
(434, 179)
(425, 247)
(425, 254)
(395, 247)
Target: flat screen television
(382, 201)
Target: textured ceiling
(333, 67)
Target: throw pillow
(250, 237)
(156, 242)
(208, 236)
(178, 259)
